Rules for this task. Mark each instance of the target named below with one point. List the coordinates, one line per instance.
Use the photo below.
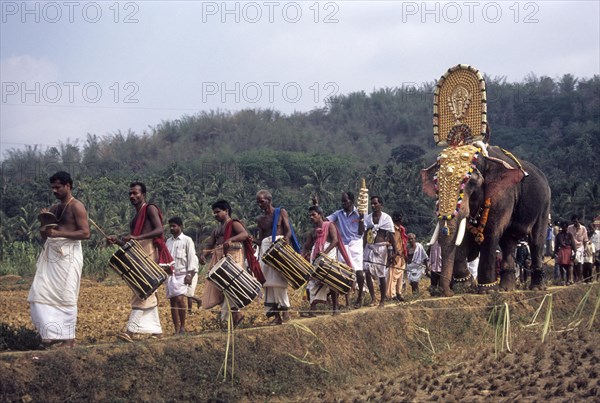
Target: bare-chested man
(277, 302)
(146, 228)
(55, 288)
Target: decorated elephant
(496, 205)
(487, 198)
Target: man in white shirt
(183, 251)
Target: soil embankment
(430, 349)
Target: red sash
(165, 260)
(249, 251)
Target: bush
(20, 339)
(19, 258)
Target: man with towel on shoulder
(272, 225)
(379, 236)
(55, 288)
(147, 228)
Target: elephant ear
(427, 175)
(500, 176)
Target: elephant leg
(536, 247)
(537, 280)
(487, 277)
(508, 269)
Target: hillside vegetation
(385, 136)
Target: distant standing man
(185, 269)
(398, 259)
(563, 249)
(417, 262)
(147, 228)
(271, 228)
(351, 225)
(55, 288)
(580, 237)
(378, 237)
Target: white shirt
(596, 239)
(184, 253)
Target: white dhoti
(472, 266)
(275, 286)
(191, 289)
(415, 272)
(55, 289)
(175, 285)
(579, 255)
(144, 321)
(375, 259)
(355, 253)
(54, 322)
(144, 312)
(318, 290)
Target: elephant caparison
(466, 179)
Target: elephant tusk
(461, 231)
(434, 237)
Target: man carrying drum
(55, 289)
(322, 239)
(226, 239)
(181, 280)
(277, 302)
(146, 228)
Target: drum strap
(165, 259)
(294, 240)
(249, 251)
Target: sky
(69, 68)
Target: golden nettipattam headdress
(459, 107)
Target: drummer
(55, 289)
(226, 239)
(323, 238)
(277, 301)
(147, 228)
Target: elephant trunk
(448, 253)
(452, 250)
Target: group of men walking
(374, 246)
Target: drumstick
(98, 228)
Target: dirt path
(431, 349)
